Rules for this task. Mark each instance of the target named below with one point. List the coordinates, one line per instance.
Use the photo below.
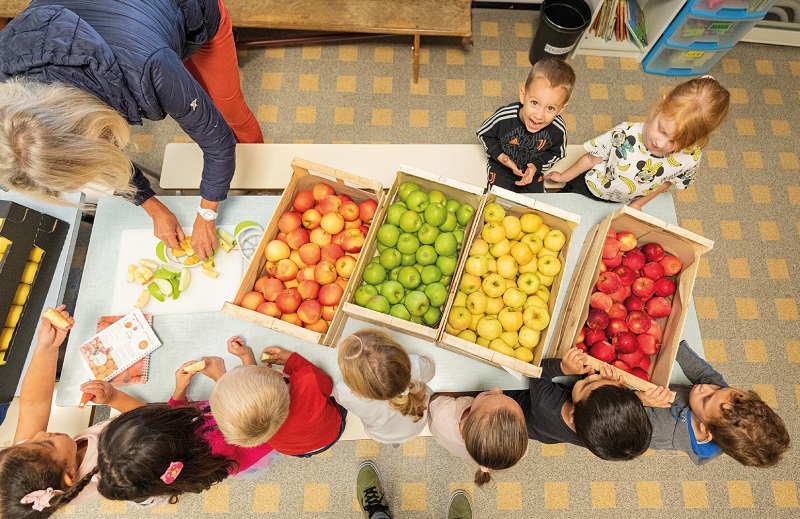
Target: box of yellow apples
(30, 244)
(508, 282)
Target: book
(139, 372)
(636, 24)
(119, 346)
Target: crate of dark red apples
(630, 294)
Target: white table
(187, 337)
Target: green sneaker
(369, 490)
(459, 506)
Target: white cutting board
(203, 295)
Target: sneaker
(369, 491)
(459, 506)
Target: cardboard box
(452, 190)
(31, 244)
(306, 175)
(555, 218)
(686, 245)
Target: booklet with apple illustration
(139, 372)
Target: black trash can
(561, 24)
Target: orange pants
(216, 67)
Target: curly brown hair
(750, 432)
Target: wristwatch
(207, 214)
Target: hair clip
(40, 499)
(172, 472)
(707, 76)
(96, 479)
(484, 469)
(404, 393)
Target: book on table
(139, 371)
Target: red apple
(336, 239)
(616, 326)
(355, 224)
(330, 295)
(309, 311)
(634, 259)
(664, 287)
(286, 270)
(581, 346)
(634, 303)
(617, 311)
(653, 251)
(331, 252)
(345, 198)
(626, 275)
(658, 307)
(329, 204)
(601, 300)
(270, 267)
(271, 288)
(320, 326)
(303, 201)
(582, 334)
(625, 342)
(342, 282)
(608, 282)
(295, 257)
(308, 289)
(269, 308)
(655, 330)
(671, 264)
(610, 248)
(638, 322)
(594, 335)
(328, 312)
(297, 238)
(603, 267)
(620, 295)
(627, 240)
(310, 253)
(611, 263)
(633, 358)
(611, 233)
(345, 266)
(290, 221)
(621, 364)
(311, 219)
(643, 287)
(259, 284)
(292, 318)
(321, 190)
(325, 273)
(320, 237)
(602, 350)
(645, 362)
(353, 240)
(367, 210)
(653, 270)
(639, 372)
(648, 344)
(288, 301)
(251, 300)
(349, 211)
(305, 273)
(364, 229)
(598, 319)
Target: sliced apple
(165, 286)
(200, 365)
(172, 269)
(187, 246)
(208, 265)
(185, 279)
(226, 241)
(142, 300)
(161, 251)
(265, 357)
(131, 270)
(155, 291)
(213, 274)
(145, 272)
(179, 253)
(191, 260)
(85, 399)
(176, 293)
(55, 317)
(137, 276)
(152, 265)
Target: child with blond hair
(488, 429)
(634, 162)
(384, 386)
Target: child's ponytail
(412, 401)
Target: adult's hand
(204, 237)
(165, 226)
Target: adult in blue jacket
(75, 73)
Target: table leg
(416, 59)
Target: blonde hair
(250, 403)
(375, 367)
(697, 107)
(556, 71)
(57, 138)
(496, 440)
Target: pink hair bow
(172, 472)
(40, 498)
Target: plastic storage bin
(714, 32)
(690, 61)
(732, 8)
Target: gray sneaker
(459, 506)
(369, 491)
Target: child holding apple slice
(384, 386)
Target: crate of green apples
(415, 254)
(509, 281)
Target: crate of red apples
(310, 255)
(630, 294)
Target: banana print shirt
(630, 171)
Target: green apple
(445, 280)
(476, 303)
(417, 201)
(493, 285)
(470, 284)
(493, 212)
(530, 222)
(459, 318)
(405, 188)
(449, 224)
(435, 214)
(410, 221)
(390, 258)
(522, 253)
(364, 293)
(378, 304)
(500, 248)
(453, 206)
(510, 338)
(549, 265)
(461, 299)
(417, 302)
(408, 259)
(437, 197)
(156, 292)
(431, 274)
(432, 316)
(407, 243)
(419, 268)
(489, 327)
(447, 264)
(393, 274)
(400, 311)
(388, 234)
(426, 255)
(446, 244)
(381, 247)
(536, 318)
(477, 265)
(534, 242)
(459, 234)
(535, 300)
(437, 294)
(512, 226)
(394, 212)
(494, 305)
(374, 274)
(409, 277)
(427, 234)
(528, 337)
(464, 213)
(507, 267)
(467, 335)
(514, 297)
(528, 282)
(554, 240)
(417, 319)
(393, 291)
(510, 319)
(493, 232)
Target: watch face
(207, 214)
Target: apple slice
(191, 260)
(170, 268)
(163, 274)
(145, 273)
(208, 265)
(165, 286)
(161, 251)
(185, 279)
(55, 318)
(85, 399)
(152, 265)
(176, 293)
(226, 241)
(156, 292)
(265, 357)
(200, 365)
(142, 300)
(213, 274)
(131, 270)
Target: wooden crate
(305, 175)
(452, 189)
(516, 205)
(686, 245)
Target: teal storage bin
(677, 61)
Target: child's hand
(236, 346)
(215, 367)
(637, 204)
(555, 176)
(183, 379)
(609, 372)
(527, 177)
(103, 391)
(655, 397)
(50, 335)
(277, 356)
(574, 362)
(507, 162)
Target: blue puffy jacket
(129, 53)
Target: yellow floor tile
(649, 493)
(760, 194)
(509, 495)
(523, 30)
(490, 58)
(113, 507)
(455, 87)
(595, 62)
(522, 59)
(706, 307)
(488, 29)
(695, 226)
(786, 309)
(275, 53)
(492, 88)
(715, 350)
(628, 64)
(308, 82)
(454, 56)
(311, 52)
(602, 123)
(343, 115)
(456, 119)
(793, 351)
(267, 113)
(746, 308)
(384, 55)
(715, 158)
(772, 96)
(382, 85)
(315, 497)
(745, 127)
(785, 493)
(570, 122)
(556, 495)
(738, 96)
(266, 498)
(723, 193)
(603, 494)
(767, 394)
(738, 268)
(305, 115)
(694, 494)
(755, 351)
(348, 53)
(686, 195)
(769, 231)
(416, 448)
(731, 229)
(788, 160)
(381, 117)
(765, 67)
(703, 268)
(367, 448)
(217, 499)
(142, 143)
(421, 88)
(731, 66)
(345, 83)
(780, 128)
(794, 194)
(412, 496)
(598, 91)
(740, 494)
(553, 449)
(753, 160)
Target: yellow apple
(548, 265)
(467, 335)
(523, 354)
(459, 318)
(480, 341)
(500, 248)
(545, 281)
(528, 337)
(493, 212)
(535, 300)
(542, 232)
(529, 267)
(510, 338)
(534, 242)
(474, 324)
(479, 247)
(536, 318)
(493, 232)
(546, 252)
(510, 318)
(530, 222)
(476, 303)
(554, 240)
(477, 265)
(528, 282)
(522, 253)
(544, 293)
(493, 285)
(469, 283)
(507, 266)
(510, 283)
(489, 327)
(494, 305)
(512, 225)
(461, 299)
(514, 298)
(500, 346)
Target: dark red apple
(634, 304)
(610, 248)
(593, 336)
(625, 342)
(658, 307)
(643, 287)
(602, 351)
(665, 287)
(634, 259)
(582, 335)
(620, 364)
(626, 275)
(611, 234)
(633, 358)
(639, 372)
(653, 270)
(645, 362)
(648, 344)
(581, 346)
(671, 264)
(598, 319)
(608, 282)
(653, 251)
(615, 326)
(638, 322)
(617, 311)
